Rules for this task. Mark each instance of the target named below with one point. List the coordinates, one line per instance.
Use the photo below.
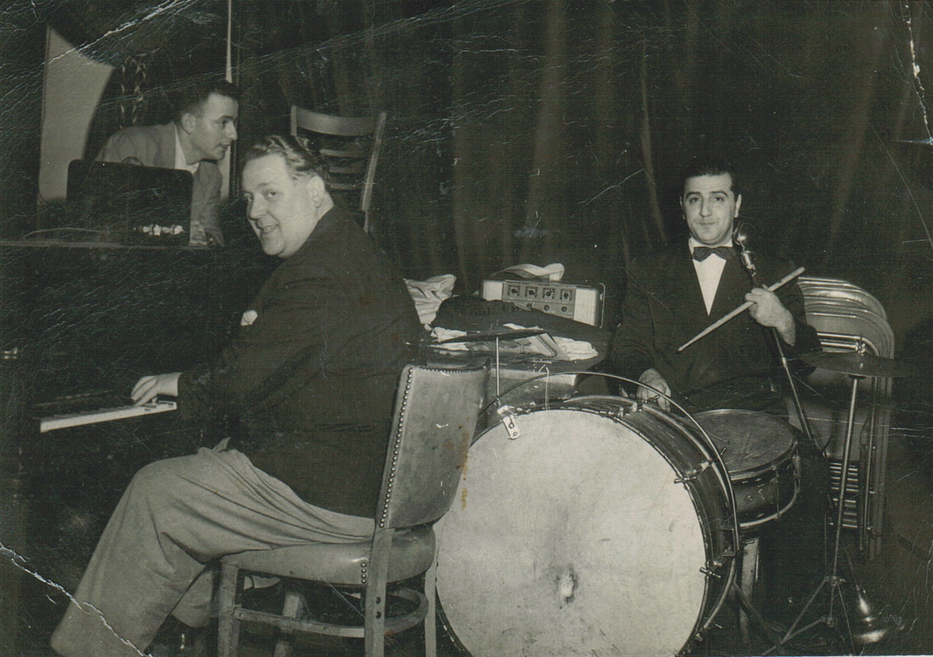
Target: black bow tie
(701, 253)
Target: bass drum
(603, 528)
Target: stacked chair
(846, 316)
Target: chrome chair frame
(845, 316)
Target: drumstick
(745, 306)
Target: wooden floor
(898, 585)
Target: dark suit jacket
(154, 146)
(734, 366)
(313, 378)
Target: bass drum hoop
(690, 462)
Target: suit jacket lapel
(200, 192)
(687, 290)
(730, 293)
(687, 309)
(733, 285)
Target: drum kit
(602, 525)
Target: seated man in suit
(673, 295)
(311, 376)
(203, 128)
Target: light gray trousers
(174, 517)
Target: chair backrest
(844, 315)
(819, 289)
(350, 148)
(436, 411)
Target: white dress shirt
(180, 162)
(709, 272)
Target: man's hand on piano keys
(148, 387)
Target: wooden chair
(436, 411)
(350, 148)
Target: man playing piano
(203, 128)
(311, 376)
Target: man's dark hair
(708, 165)
(192, 95)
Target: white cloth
(570, 349)
(429, 294)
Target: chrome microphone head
(740, 234)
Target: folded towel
(429, 294)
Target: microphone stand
(746, 257)
(833, 580)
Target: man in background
(200, 135)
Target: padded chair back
(436, 410)
(350, 148)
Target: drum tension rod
(691, 475)
(710, 570)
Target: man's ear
(316, 189)
(188, 120)
(738, 204)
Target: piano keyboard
(103, 415)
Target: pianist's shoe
(175, 639)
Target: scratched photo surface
(517, 132)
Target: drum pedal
(508, 421)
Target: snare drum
(760, 453)
(604, 527)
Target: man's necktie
(701, 253)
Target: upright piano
(80, 323)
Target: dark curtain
(553, 130)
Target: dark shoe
(175, 639)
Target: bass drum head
(573, 539)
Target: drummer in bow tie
(670, 297)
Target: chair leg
(374, 611)
(294, 603)
(228, 627)
(430, 621)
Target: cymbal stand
(832, 580)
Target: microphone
(740, 235)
